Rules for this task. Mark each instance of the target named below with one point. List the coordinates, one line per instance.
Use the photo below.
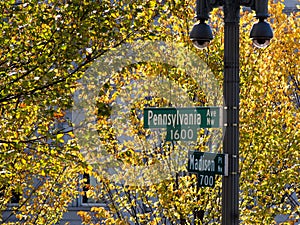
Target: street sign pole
(230, 184)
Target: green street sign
(181, 134)
(206, 180)
(207, 163)
(182, 118)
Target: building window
(15, 196)
(90, 189)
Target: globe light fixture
(201, 35)
(261, 34)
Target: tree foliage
(47, 47)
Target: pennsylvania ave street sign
(192, 117)
(182, 123)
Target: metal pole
(230, 185)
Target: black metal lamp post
(261, 35)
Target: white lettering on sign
(211, 113)
(201, 164)
(150, 115)
(208, 113)
(174, 119)
(210, 121)
(210, 117)
(206, 180)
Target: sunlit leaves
(46, 46)
(45, 49)
(269, 121)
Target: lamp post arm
(202, 10)
(204, 7)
